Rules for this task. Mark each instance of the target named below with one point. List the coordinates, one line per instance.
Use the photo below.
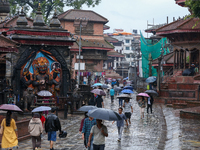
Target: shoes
(119, 140)
(52, 149)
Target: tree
(194, 7)
(48, 6)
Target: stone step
(171, 100)
(193, 103)
(179, 105)
(40, 100)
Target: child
(120, 123)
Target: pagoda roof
(105, 27)
(168, 58)
(180, 2)
(110, 39)
(12, 22)
(154, 28)
(96, 44)
(179, 26)
(113, 53)
(7, 45)
(88, 14)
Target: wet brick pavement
(161, 130)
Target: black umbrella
(87, 108)
(104, 114)
(124, 96)
(151, 92)
(118, 89)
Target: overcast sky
(133, 14)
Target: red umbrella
(10, 107)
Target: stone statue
(28, 97)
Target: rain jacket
(35, 127)
(112, 92)
(52, 123)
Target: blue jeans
(98, 147)
(52, 136)
(120, 101)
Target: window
(132, 63)
(127, 48)
(127, 55)
(132, 56)
(127, 41)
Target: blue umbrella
(97, 84)
(125, 78)
(151, 79)
(108, 80)
(128, 87)
(41, 108)
(127, 91)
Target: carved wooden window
(88, 30)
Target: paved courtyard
(161, 130)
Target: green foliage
(194, 6)
(48, 6)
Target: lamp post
(80, 22)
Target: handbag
(1, 129)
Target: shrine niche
(42, 73)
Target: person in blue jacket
(112, 93)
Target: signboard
(82, 66)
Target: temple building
(94, 47)
(180, 89)
(43, 56)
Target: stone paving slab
(142, 134)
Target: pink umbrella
(10, 107)
(98, 92)
(143, 94)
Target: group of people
(93, 133)
(36, 126)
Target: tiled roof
(88, 14)
(180, 25)
(113, 53)
(7, 45)
(110, 39)
(154, 28)
(166, 58)
(13, 21)
(93, 44)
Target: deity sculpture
(41, 78)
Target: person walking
(112, 93)
(99, 132)
(52, 125)
(81, 128)
(42, 118)
(99, 101)
(35, 129)
(120, 123)
(88, 124)
(141, 103)
(149, 103)
(10, 135)
(128, 109)
(92, 100)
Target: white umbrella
(44, 93)
(41, 108)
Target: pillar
(179, 66)
(185, 59)
(174, 67)
(189, 59)
(199, 61)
